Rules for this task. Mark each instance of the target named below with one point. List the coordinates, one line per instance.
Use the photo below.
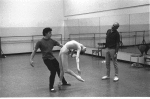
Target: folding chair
(99, 49)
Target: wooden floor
(19, 79)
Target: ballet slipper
(80, 79)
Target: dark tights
(53, 67)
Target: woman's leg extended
(70, 72)
(64, 60)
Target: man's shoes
(52, 90)
(66, 84)
(105, 77)
(116, 78)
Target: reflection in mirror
(131, 40)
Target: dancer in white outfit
(63, 56)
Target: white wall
(27, 18)
(104, 13)
(84, 7)
(30, 13)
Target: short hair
(83, 49)
(46, 30)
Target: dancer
(70, 46)
(46, 45)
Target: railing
(25, 39)
(135, 37)
(132, 38)
(126, 38)
(94, 37)
(7, 41)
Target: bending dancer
(68, 48)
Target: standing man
(46, 45)
(112, 47)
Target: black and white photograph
(74, 48)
